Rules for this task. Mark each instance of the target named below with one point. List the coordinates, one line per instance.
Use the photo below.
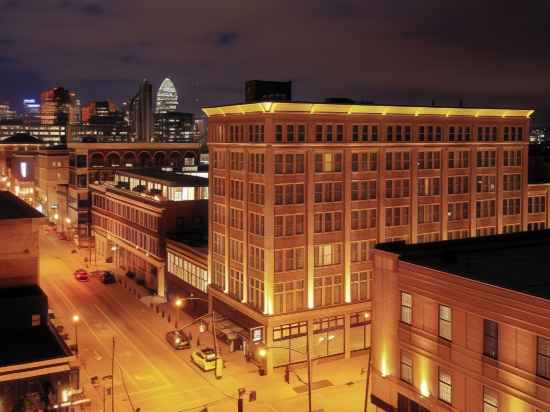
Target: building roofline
(361, 109)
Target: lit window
(406, 308)
(445, 387)
(490, 400)
(23, 169)
(445, 322)
(406, 368)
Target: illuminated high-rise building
(96, 108)
(6, 113)
(167, 97)
(59, 106)
(31, 109)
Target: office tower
(31, 110)
(262, 90)
(98, 109)
(301, 193)
(174, 127)
(6, 113)
(167, 97)
(59, 106)
(140, 113)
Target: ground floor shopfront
(130, 261)
(338, 331)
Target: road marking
(132, 344)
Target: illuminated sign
(257, 334)
(23, 169)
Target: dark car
(108, 278)
(178, 339)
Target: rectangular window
(445, 387)
(406, 308)
(445, 322)
(490, 338)
(490, 400)
(543, 357)
(406, 368)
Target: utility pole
(113, 380)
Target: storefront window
(328, 336)
(289, 343)
(360, 331)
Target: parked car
(81, 275)
(108, 278)
(178, 339)
(204, 359)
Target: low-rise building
(132, 215)
(462, 325)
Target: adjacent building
(167, 97)
(98, 108)
(132, 215)
(97, 162)
(140, 113)
(6, 113)
(37, 369)
(51, 134)
(52, 171)
(462, 325)
(171, 127)
(301, 192)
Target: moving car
(204, 359)
(81, 275)
(178, 339)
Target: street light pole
(179, 303)
(263, 353)
(76, 319)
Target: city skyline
(388, 53)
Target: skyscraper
(31, 109)
(140, 111)
(167, 97)
(6, 113)
(59, 106)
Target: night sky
(485, 52)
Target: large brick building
(301, 192)
(462, 325)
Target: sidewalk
(338, 385)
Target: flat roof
(361, 109)
(515, 261)
(21, 291)
(171, 178)
(11, 207)
(30, 345)
(197, 240)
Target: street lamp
(76, 319)
(262, 352)
(179, 304)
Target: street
(148, 373)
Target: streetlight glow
(76, 318)
(262, 352)
(68, 221)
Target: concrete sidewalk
(338, 385)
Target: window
(397, 216)
(361, 250)
(429, 160)
(543, 357)
(458, 211)
(328, 162)
(363, 190)
(445, 322)
(490, 400)
(511, 207)
(486, 158)
(288, 296)
(256, 163)
(428, 186)
(289, 194)
(327, 222)
(512, 157)
(428, 213)
(398, 161)
(512, 183)
(406, 368)
(406, 308)
(328, 254)
(359, 286)
(396, 188)
(364, 162)
(256, 293)
(363, 219)
(289, 225)
(458, 185)
(458, 159)
(327, 290)
(445, 387)
(536, 204)
(486, 184)
(289, 259)
(485, 208)
(490, 338)
(328, 192)
(289, 163)
(236, 284)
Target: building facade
(140, 113)
(462, 325)
(52, 170)
(167, 97)
(174, 127)
(51, 134)
(301, 193)
(97, 162)
(132, 216)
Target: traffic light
(287, 374)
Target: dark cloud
(493, 52)
(6, 60)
